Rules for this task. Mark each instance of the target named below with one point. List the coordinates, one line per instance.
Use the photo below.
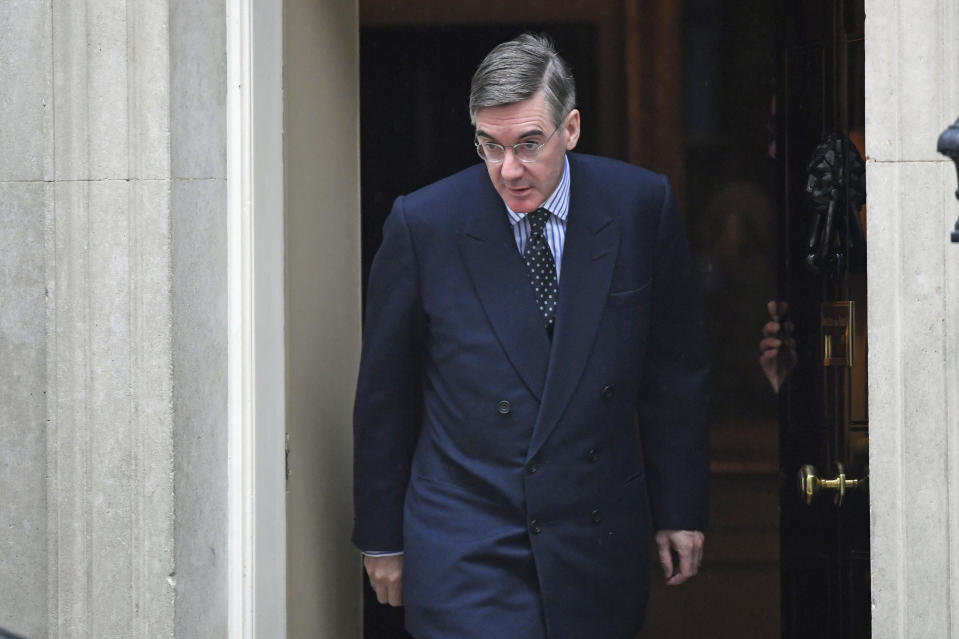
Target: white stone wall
(197, 53)
(26, 213)
(912, 94)
(112, 318)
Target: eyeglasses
(525, 151)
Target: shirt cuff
(381, 553)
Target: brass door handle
(811, 484)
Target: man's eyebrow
(531, 133)
(480, 133)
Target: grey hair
(515, 70)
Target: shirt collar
(557, 203)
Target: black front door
(823, 419)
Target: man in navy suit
(532, 389)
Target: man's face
(525, 186)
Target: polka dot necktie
(542, 268)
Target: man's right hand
(386, 577)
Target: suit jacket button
(596, 516)
(532, 468)
(592, 455)
(536, 527)
(608, 392)
(503, 407)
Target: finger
(770, 343)
(665, 557)
(389, 590)
(768, 355)
(676, 579)
(769, 360)
(777, 309)
(687, 561)
(772, 308)
(395, 593)
(771, 329)
(685, 568)
(382, 596)
(379, 587)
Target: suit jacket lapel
(592, 242)
(502, 285)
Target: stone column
(198, 221)
(912, 94)
(110, 424)
(112, 206)
(26, 214)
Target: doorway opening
(687, 89)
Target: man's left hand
(680, 553)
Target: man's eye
(528, 146)
(489, 147)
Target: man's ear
(571, 126)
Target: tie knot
(537, 221)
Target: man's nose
(512, 167)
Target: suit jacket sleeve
(387, 410)
(673, 400)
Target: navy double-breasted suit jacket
(518, 473)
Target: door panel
(823, 418)
(322, 316)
